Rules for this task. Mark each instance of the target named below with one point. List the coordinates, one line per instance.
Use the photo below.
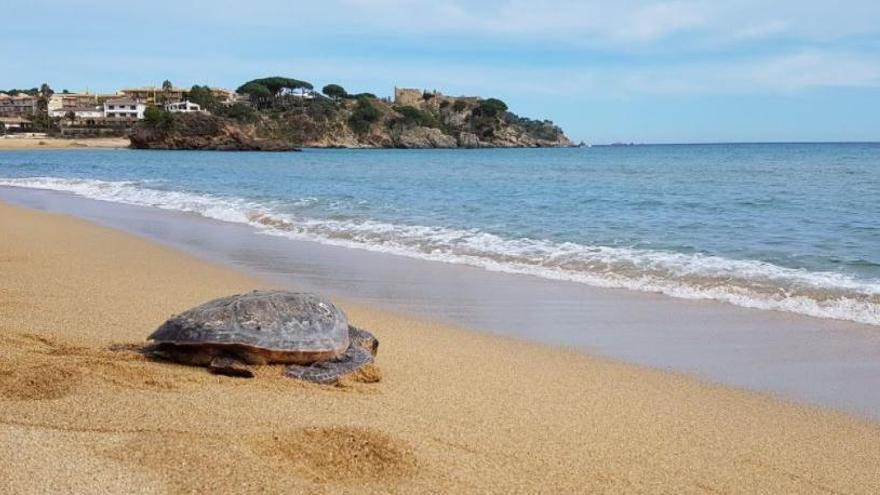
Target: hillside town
(86, 113)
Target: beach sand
(50, 143)
(456, 410)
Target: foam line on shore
(748, 283)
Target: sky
(623, 71)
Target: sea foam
(748, 283)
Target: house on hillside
(79, 116)
(18, 105)
(151, 95)
(76, 100)
(15, 124)
(124, 109)
(184, 106)
(224, 96)
(88, 112)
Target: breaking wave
(748, 283)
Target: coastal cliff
(198, 131)
(350, 122)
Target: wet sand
(457, 410)
(47, 143)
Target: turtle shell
(300, 326)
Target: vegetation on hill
(287, 112)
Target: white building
(184, 106)
(304, 93)
(81, 113)
(124, 108)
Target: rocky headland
(281, 122)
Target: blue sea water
(792, 227)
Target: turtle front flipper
(230, 366)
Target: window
(112, 107)
(132, 107)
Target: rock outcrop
(422, 137)
(198, 131)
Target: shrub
(413, 116)
(459, 105)
(157, 118)
(240, 112)
(363, 116)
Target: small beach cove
(456, 410)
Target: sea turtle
(306, 332)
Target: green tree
(167, 86)
(204, 97)
(273, 85)
(2, 129)
(492, 107)
(254, 90)
(334, 91)
(31, 92)
(43, 101)
(46, 91)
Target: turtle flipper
(230, 366)
(328, 372)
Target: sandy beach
(457, 410)
(49, 143)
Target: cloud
(774, 74)
(583, 22)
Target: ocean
(789, 227)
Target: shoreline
(817, 361)
(28, 143)
(456, 410)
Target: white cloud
(774, 74)
(595, 22)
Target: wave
(748, 283)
